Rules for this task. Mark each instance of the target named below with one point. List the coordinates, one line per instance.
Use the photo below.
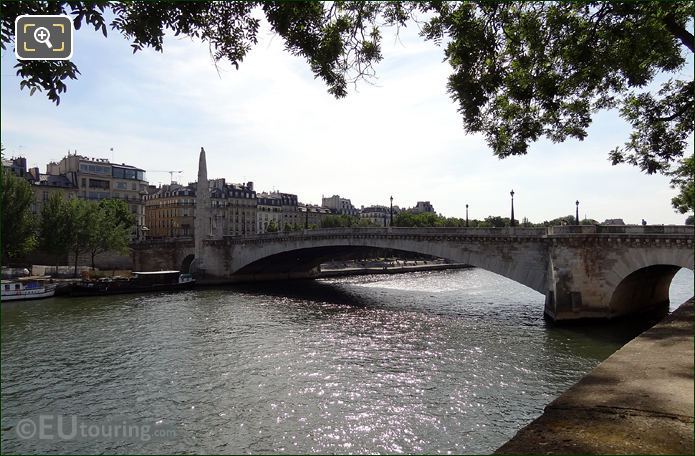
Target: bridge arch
(644, 289)
(529, 265)
(642, 280)
(186, 263)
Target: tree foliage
(682, 179)
(339, 221)
(79, 215)
(340, 41)
(430, 219)
(272, 227)
(110, 227)
(18, 228)
(521, 71)
(53, 236)
(80, 226)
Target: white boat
(21, 290)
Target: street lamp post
(306, 220)
(512, 194)
(466, 215)
(577, 213)
(391, 217)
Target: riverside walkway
(638, 401)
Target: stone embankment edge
(638, 401)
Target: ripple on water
(432, 362)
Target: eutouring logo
(72, 427)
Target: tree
(496, 221)
(690, 220)
(340, 41)
(522, 71)
(527, 70)
(272, 227)
(79, 219)
(18, 223)
(339, 221)
(526, 223)
(682, 179)
(566, 220)
(110, 225)
(366, 223)
(53, 236)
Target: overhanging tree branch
(679, 32)
(673, 116)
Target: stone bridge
(583, 271)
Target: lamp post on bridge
(512, 194)
(577, 213)
(466, 215)
(391, 217)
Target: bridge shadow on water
(306, 290)
(600, 338)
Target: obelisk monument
(202, 213)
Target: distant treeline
(430, 219)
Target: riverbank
(638, 401)
(329, 273)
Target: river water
(434, 362)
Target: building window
(97, 183)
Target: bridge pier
(611, 276)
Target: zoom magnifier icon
(43, 36)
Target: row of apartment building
(237, 210)
(169, 210)
(77, 176)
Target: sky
(272, 123)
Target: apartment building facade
(98, 178)
(312, 215)
(42, 185)
(269, 212)
(338, 205)
(170, 211)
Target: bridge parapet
(394, 232)
(149, 243)
(623, 229)
(650, 231)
